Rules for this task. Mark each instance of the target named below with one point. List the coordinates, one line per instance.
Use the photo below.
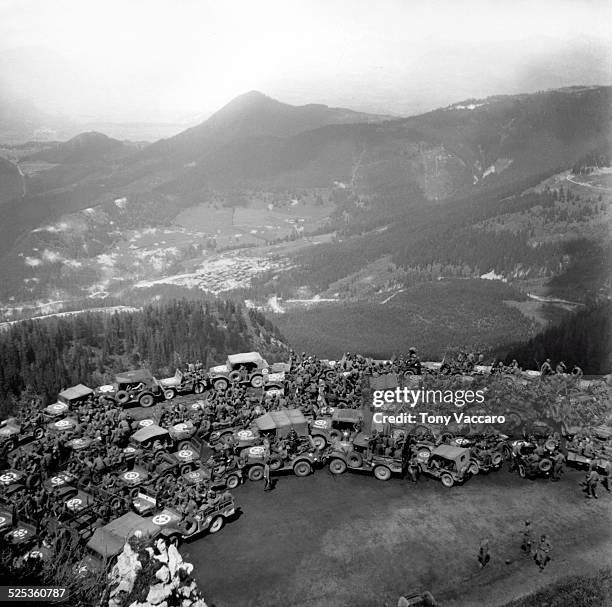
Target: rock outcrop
(152, 574)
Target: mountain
(250, 116)
(82, 149)
(309, 204)
(257, 142)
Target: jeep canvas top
(133, 377)
(282, 421)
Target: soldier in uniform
(267, 479)
(561, 368)
(592, 479)
(542, 553)
(527, 539)
(484, 554)
(546, 368)
(558, 463)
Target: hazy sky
(158, 59)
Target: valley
(323, 218)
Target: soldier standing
(268, 481)
(484, 554)
(592, 478)
(527, 539)
(542, 553)
(558, 463)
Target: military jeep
(132, 387)
(244, 368)
(449, 464)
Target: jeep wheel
(319, 441)
(233, 480)
(216, 524)
(302, 468)
(522, 471)
(382, 473)
(10, 445)
(497, 459)
(198, 388)
(220, 384)
(257, 381)
(337, 466)
(169, 393)
(335, 434)
(146, 400)
(473, 468)
(447, 480)
(39, 433)
(256, 473)
(185, 468)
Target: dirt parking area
(354, 541)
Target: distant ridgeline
(43, 357)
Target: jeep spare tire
(354, 459)
(234, 376)
(122, 397)
(220, 384)
(275, 462)
(545, 465)
(257, 381)
(319, 441)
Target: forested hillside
(583, 338)
(47, 356)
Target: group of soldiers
(540, 551)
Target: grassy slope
(421, 316)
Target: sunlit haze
(127, 60)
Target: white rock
(158, 593)
(163, 574)
(174, 560)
